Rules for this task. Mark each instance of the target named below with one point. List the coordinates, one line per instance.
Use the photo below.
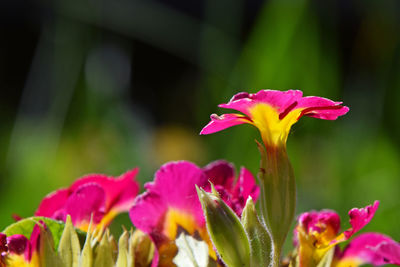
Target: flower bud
(260, 241)
(225, 229)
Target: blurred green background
(104, 86)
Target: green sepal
(47, 253)
(225, 229)
(103, 252)
(123, 244)
(260, 241)
(69, 248)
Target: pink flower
(170, 204)
(370, 248)
(20, 251)
(273, 113)
(318, 232)
(95, 195)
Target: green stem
(276, 256)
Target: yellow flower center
(274, 131)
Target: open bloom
(170, 205)
(274, 112)
(95, 196)
(17, 250)
(318, 232)
(369, 248)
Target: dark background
(104, 86)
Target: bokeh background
(103, 86)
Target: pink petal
(373, 248)
(321, 108)
(219, 123)
(17, 244)
(120, 192)
(245, 187)
(173, 187)
(280, 100)
(220, 172)
(52, 202)
(360, 217)
(313, 220)
(87, 199)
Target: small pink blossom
(95, 196)
(274, 112)
(170, 204)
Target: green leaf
(260, 241)
(191, 252)
(25, 227)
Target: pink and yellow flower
(19, 251)
(95, 196)
(274, 112)
(318, 232)
(369, 248)
(170, 205)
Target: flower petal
(86, 200)
(371, 248)
(360, 217)
(173, 187)
(219, 123)
(220, 172)
(280, 100)
(52, 202)
(321, 108)
(120, 192)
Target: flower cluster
(202, 216)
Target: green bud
(123, 243)
(104, 252)
(69, 247)
(260, 241)
(47, 254)
(86, 258)
(141, 249)
(225, 229)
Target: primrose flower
(273, 113)
(369, 248)
(318, 232)
(171, 205)
(95, 196)
(17, 250)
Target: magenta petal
(219, 123)
(220, 172)
(360, 217)
(173, 187)
(246, 186)
(86, 200)
(17, 244)
(120, 192)
(281, 100)
(52, 202)
(321, 108)
(373, 248)
(312, 221)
